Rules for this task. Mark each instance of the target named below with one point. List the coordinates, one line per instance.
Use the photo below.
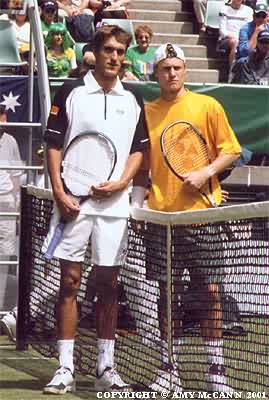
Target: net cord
(227, 213)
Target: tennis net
(163, 299)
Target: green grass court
(24, 373)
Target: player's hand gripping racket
(185, 150)
(88, 160)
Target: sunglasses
(143, 37)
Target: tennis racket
(89, 159)
(185, 150)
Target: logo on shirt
(54, 110)
(121, 112)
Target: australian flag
(14, 96)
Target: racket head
(184, 148)
(88, 160)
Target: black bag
(81, 27)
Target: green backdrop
(247, 108)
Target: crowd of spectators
(241, 22)
(57, 17)
(64, 22)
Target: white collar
(93, 86)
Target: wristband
(138, 196)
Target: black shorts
(199, 249)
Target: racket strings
(184, 149)
(82, 172)
(89, 160)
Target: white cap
(168, 50)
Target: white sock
(65, 350)
(105, 356)
(214, 350)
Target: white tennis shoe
(8, 325)
(110, 381)
(167, 380)
(62, 382)
(217, 383)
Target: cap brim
(260, 12)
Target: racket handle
(58, 233)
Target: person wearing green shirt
(141, 56)
(48, 15)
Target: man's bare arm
(140, 183)
(195, 180)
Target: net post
(24, 271)
(169, 293)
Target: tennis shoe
(167, 380)
(62, 382)
(217, 383)
(110, 381)
(8, 325)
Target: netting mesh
(175, 273)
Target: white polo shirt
(84, 106)
(232, 20)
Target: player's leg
(109, 244)
(212, 333)
(71, 251)
(67, 315)
(209, 277)
(199, 7)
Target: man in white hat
(168, 193)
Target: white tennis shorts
(108, 239)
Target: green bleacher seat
(125, 24)
(212, 13)
(9, 53)
(78, 51)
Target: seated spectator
(249, 32)
(48, 15)
(233, 16)
(141, 56)
(116, 9)
(88, 56)
(199, 7)
(60, 57)
(22, 26)
(254, 70)
(70, 8)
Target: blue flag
(14, 96)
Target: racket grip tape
(58, 233)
